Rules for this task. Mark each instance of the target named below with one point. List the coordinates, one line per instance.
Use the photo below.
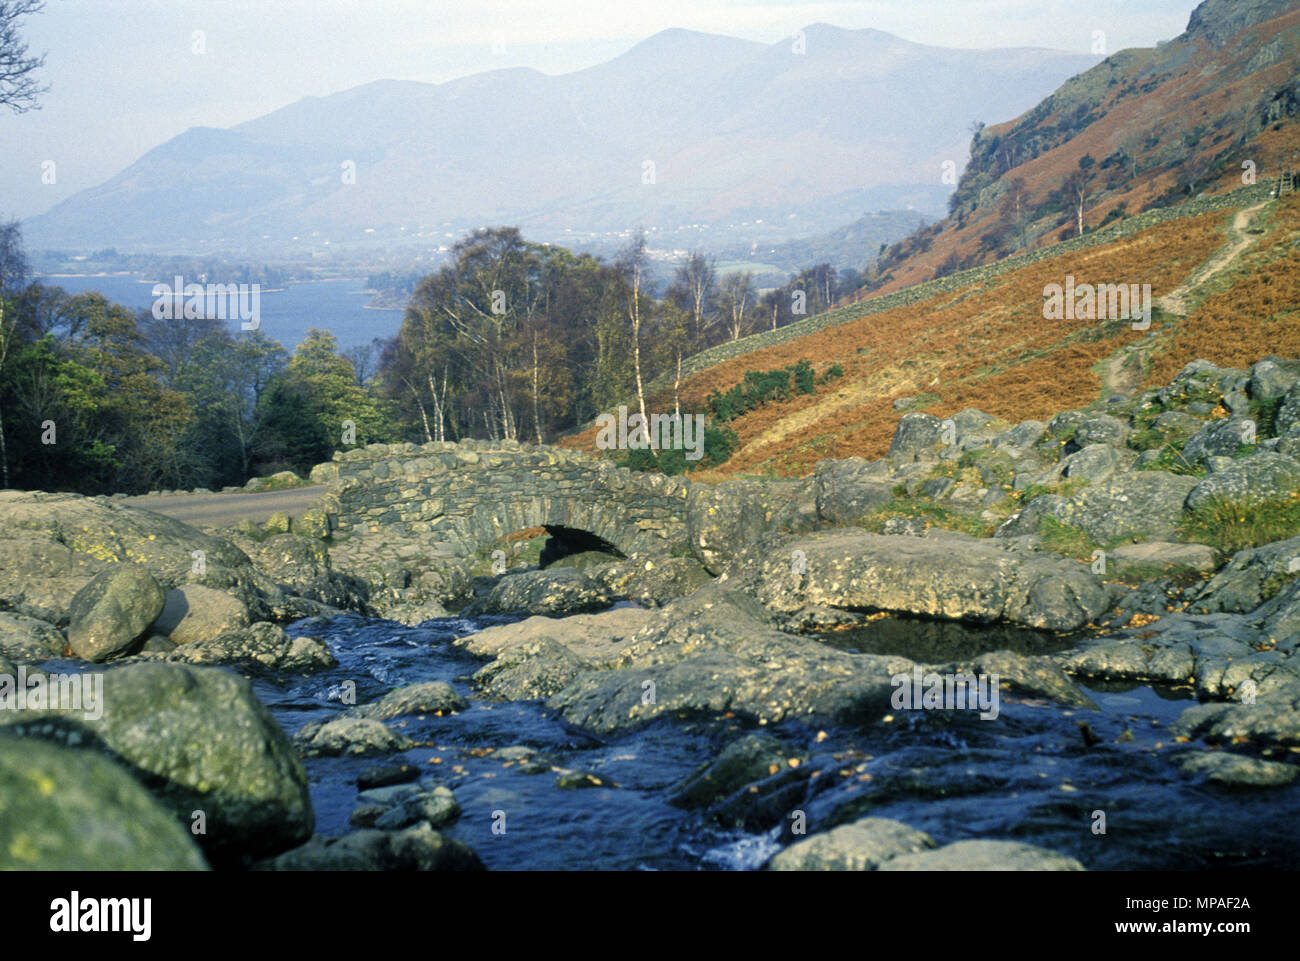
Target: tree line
(509, 340)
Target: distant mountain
(1145, 128)
(747, 141)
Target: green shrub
(719, 444)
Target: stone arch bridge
(458, 498)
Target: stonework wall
(461, 497)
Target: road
(222, 510)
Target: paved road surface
(222, 510)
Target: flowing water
(1029, 775)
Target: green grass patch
(1066, 539)
(931, 513)
(1231, 526)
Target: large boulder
(652, 581)
(1262, 476)
(722, 520)
(1102, 429)
(863, 845)
(1271, 378)
(194, 613)
(917, 437)
(556, 590)
(1144, 504)
(348, 736)
(52, 545)
(1220, 438)
(302, 565)
(849, 490)
(63, 809)
(717, 651)
(943, 574)
(112, 612)
(28, 639)
(200, 741)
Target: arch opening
(570, 542)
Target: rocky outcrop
(66, 809)
(944, 575)
(200, 741)
(110, 614)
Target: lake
(338, 306)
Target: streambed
(1030, 775)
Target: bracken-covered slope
(1145, 128)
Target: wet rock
(539, 656)
(428, 697)
(861, 846)
(1262, 476)
(64, 809)
(419, 848)
(262, 644)
(984, 856)
(1272, 719)
(28, 639)
(944, 575)
(349, 737)
(1233, 770)
(193, 613)
(575, 780)
(384, 775)
(199, 740)
(111, 613)
(749, 758)
(1037, 676)
(717, 651)
(437, 807)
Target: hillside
(728, 124)
(1223, 267)
(1145, 128)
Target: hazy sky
(124, 74)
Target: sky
(127, 75)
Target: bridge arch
(460, 498)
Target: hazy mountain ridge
(736, 131)
(1144, 128)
